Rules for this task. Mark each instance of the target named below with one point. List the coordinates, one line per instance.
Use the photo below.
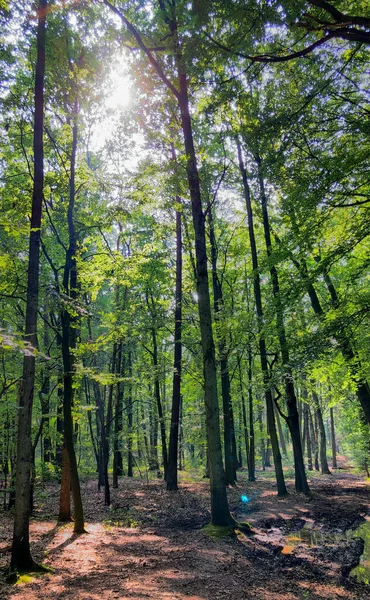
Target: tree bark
(220, 514)
(21, 558)
(69, 337)
(301, 484)
(65, 491)
(157, 393)
(118, 407)
(130, 458)
(218, 304)
(173, 448)
(333, 439)
(323, 457)
(282, 491)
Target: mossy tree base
(14, 575)
(220, 531)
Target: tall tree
(21, 556)
(220, 513)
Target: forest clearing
(151, 544)
(184, 299)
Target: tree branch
(146, 50)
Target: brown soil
(150, 544)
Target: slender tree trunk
(130, 458)
(220, 514)
(69, 338)
(173, 449)
(157, 392)
(117, 455)
(65, 491)
(252, 443)
(320, 421)
(333, 439)
(21, 558)
(181, 441)
(315, 428)
(59, 424)
(153, 436)
(280, 431)
(218, 303)
(301, 484)
(247, 439)
(262, 343)
(308, 437)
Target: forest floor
(150, 543)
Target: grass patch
(25, 578)
(121, 517)
(218, 531)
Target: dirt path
(150, 545)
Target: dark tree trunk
(308, 437)
(130, 458)
(247, 439)
(47, 453)
(323, 456)
(173, 448)
(153, 436)
(21, 556)
(252, 445)
(280, 431)
(262, 343)
(59, 424)
(69, 338)
(333, 439)
(65, 491)
(301, 484)
(181, 441)
(220, 514)
(118, 408)
(157, 393)
(218, 303)
(315, 429)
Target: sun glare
(120, 86)
(117, 98)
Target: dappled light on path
(150, 544)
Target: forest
(184, 299)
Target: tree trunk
(69, 337)
(21, 556)
(280, 431)
(130, 458)
(65, 490)
(220, 514)
(301, 484)
(315, 429)
(252, 445)
(118, 407)
(218, 304)
(173, 448)
(262, 343)
(308, 437)
(323, 456)
(333, 439)
(157, 393)
(247, 439)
